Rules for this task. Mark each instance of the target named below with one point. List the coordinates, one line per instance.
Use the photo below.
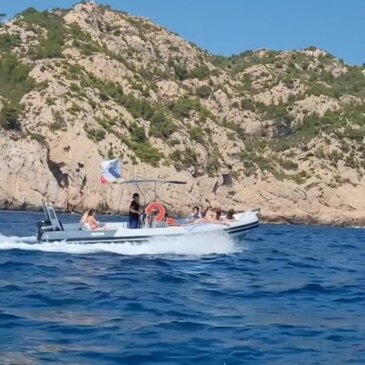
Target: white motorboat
(51, 229)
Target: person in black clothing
(134, 212)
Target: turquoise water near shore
(285, 295)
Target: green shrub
(181, 71)
(300, 178)
(82, 40)
(39, 138)
(96, 134)
(239, 63)
(335, 156)
(252, 157)
(241, 133)
(249, 168)
(352, 82)
(107, 124)
(139, 108)
(55, 126)
(351, 161)
(75, 109)
(138, 134)
(289, 164)
(9, 118)
(306, 130)
(273, 111)
(247, 104)
(189, 157)
(183, 159)
(14, 84)
(50, 46)
(201, 72)
(75, 88)
(231, 136)
(51, 101)
(9, 41)
(357, 134)
(183, 107)
(172, 142)
(246, 84)
(318, 89)
(146, 153)
(204, 91)
(161, 125)
(59, 122)
(197, 134)
(176, 156)
(213, 164)
(14, 78)
(281, 145)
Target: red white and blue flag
(111, 171)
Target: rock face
(283, 131)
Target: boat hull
(119, 233)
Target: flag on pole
(111, 171)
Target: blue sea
(284, 295)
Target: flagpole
(111, 172)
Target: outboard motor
(43, 226)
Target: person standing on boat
(134, 209)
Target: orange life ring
(159, 207)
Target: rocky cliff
(283, 131)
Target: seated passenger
(203, 213)
(91, 220)
(194, 215)
(84, 218)
(206, 216)
(229, 216)
(163, 223)
(213, 215)
(218, 215)
(170, 221)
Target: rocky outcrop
(280, 131)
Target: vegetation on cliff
(166, 101)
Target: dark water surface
(286, 295)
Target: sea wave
(296, 296)
(199, 245)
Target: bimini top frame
(51, 215)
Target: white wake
(197, 245)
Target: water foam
(197, 245)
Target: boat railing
(52, 216)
